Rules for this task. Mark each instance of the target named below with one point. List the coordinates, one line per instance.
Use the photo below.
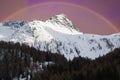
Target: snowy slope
(58, 35)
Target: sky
(97, 16)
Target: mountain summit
(62, 20)
(58, 35)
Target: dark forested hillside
(19, 61)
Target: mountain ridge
(58, 35)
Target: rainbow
(64, 3)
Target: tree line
(21, 61)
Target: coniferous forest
(21, 61)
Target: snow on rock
(58, 35)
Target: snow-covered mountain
(58, 35)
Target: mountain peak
(62, 19)
(61, 15)
(58, 35)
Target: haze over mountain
(58, 35)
